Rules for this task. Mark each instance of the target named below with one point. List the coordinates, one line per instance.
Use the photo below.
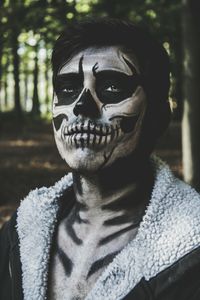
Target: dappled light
(28, 30)
(99, 149)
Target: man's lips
(89, 134)
(89, 128)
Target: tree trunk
(36, 105)
(46, 75)
(5, 81)
(17, 104)
(26, 91)
(5, 92)
(191, 93)
(26, 78)
(1, 54)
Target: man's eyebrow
(112, 73)
(67, 76)
(130, 65)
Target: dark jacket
(179, 281)
(161, 263)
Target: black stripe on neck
(113, 236)
(119, 220)
(72, 234)
(124, 202)
(101, 263)
(65, 261)
(77, 183)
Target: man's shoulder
(39, 209)
(46, 196)
(171, 225)
(179, 281)
(171, 192)
(184, 202)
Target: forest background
(28, 30)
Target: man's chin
(84, 160)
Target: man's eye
(68, 90)
(113, 88)
(67, 95)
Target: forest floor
(29, 159)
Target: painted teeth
(105, 129)
(70, 129)
(110, 129)
(108, 139)
(79, 126)
(81, 140)
(98, 137)
(70, 139)
(92, 127)
(86, 134)
(88, 128)
(103, 141)
(98, 128)
(66, 131)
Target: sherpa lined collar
(169, 230)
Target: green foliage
(26, 24)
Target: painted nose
(86, 106)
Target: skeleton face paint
(98, 108)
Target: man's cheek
(127, 112)
(58, 120)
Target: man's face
(98, 108)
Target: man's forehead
(104, 58)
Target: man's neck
(127, 177)
(106, 217)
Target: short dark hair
(152, 57)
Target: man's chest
(83, 250)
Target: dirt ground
(29, 159)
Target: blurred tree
(191, 91)
(3, 20)
(48, 17)
(36, 106)
(47, 79)
(5, 79)
(16, 13)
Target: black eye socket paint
(69, 86)
(114, 87)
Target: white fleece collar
(170, 229)
(36, 220)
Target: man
(120, 226)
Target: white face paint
(98, 108)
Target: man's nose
(86, 106)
